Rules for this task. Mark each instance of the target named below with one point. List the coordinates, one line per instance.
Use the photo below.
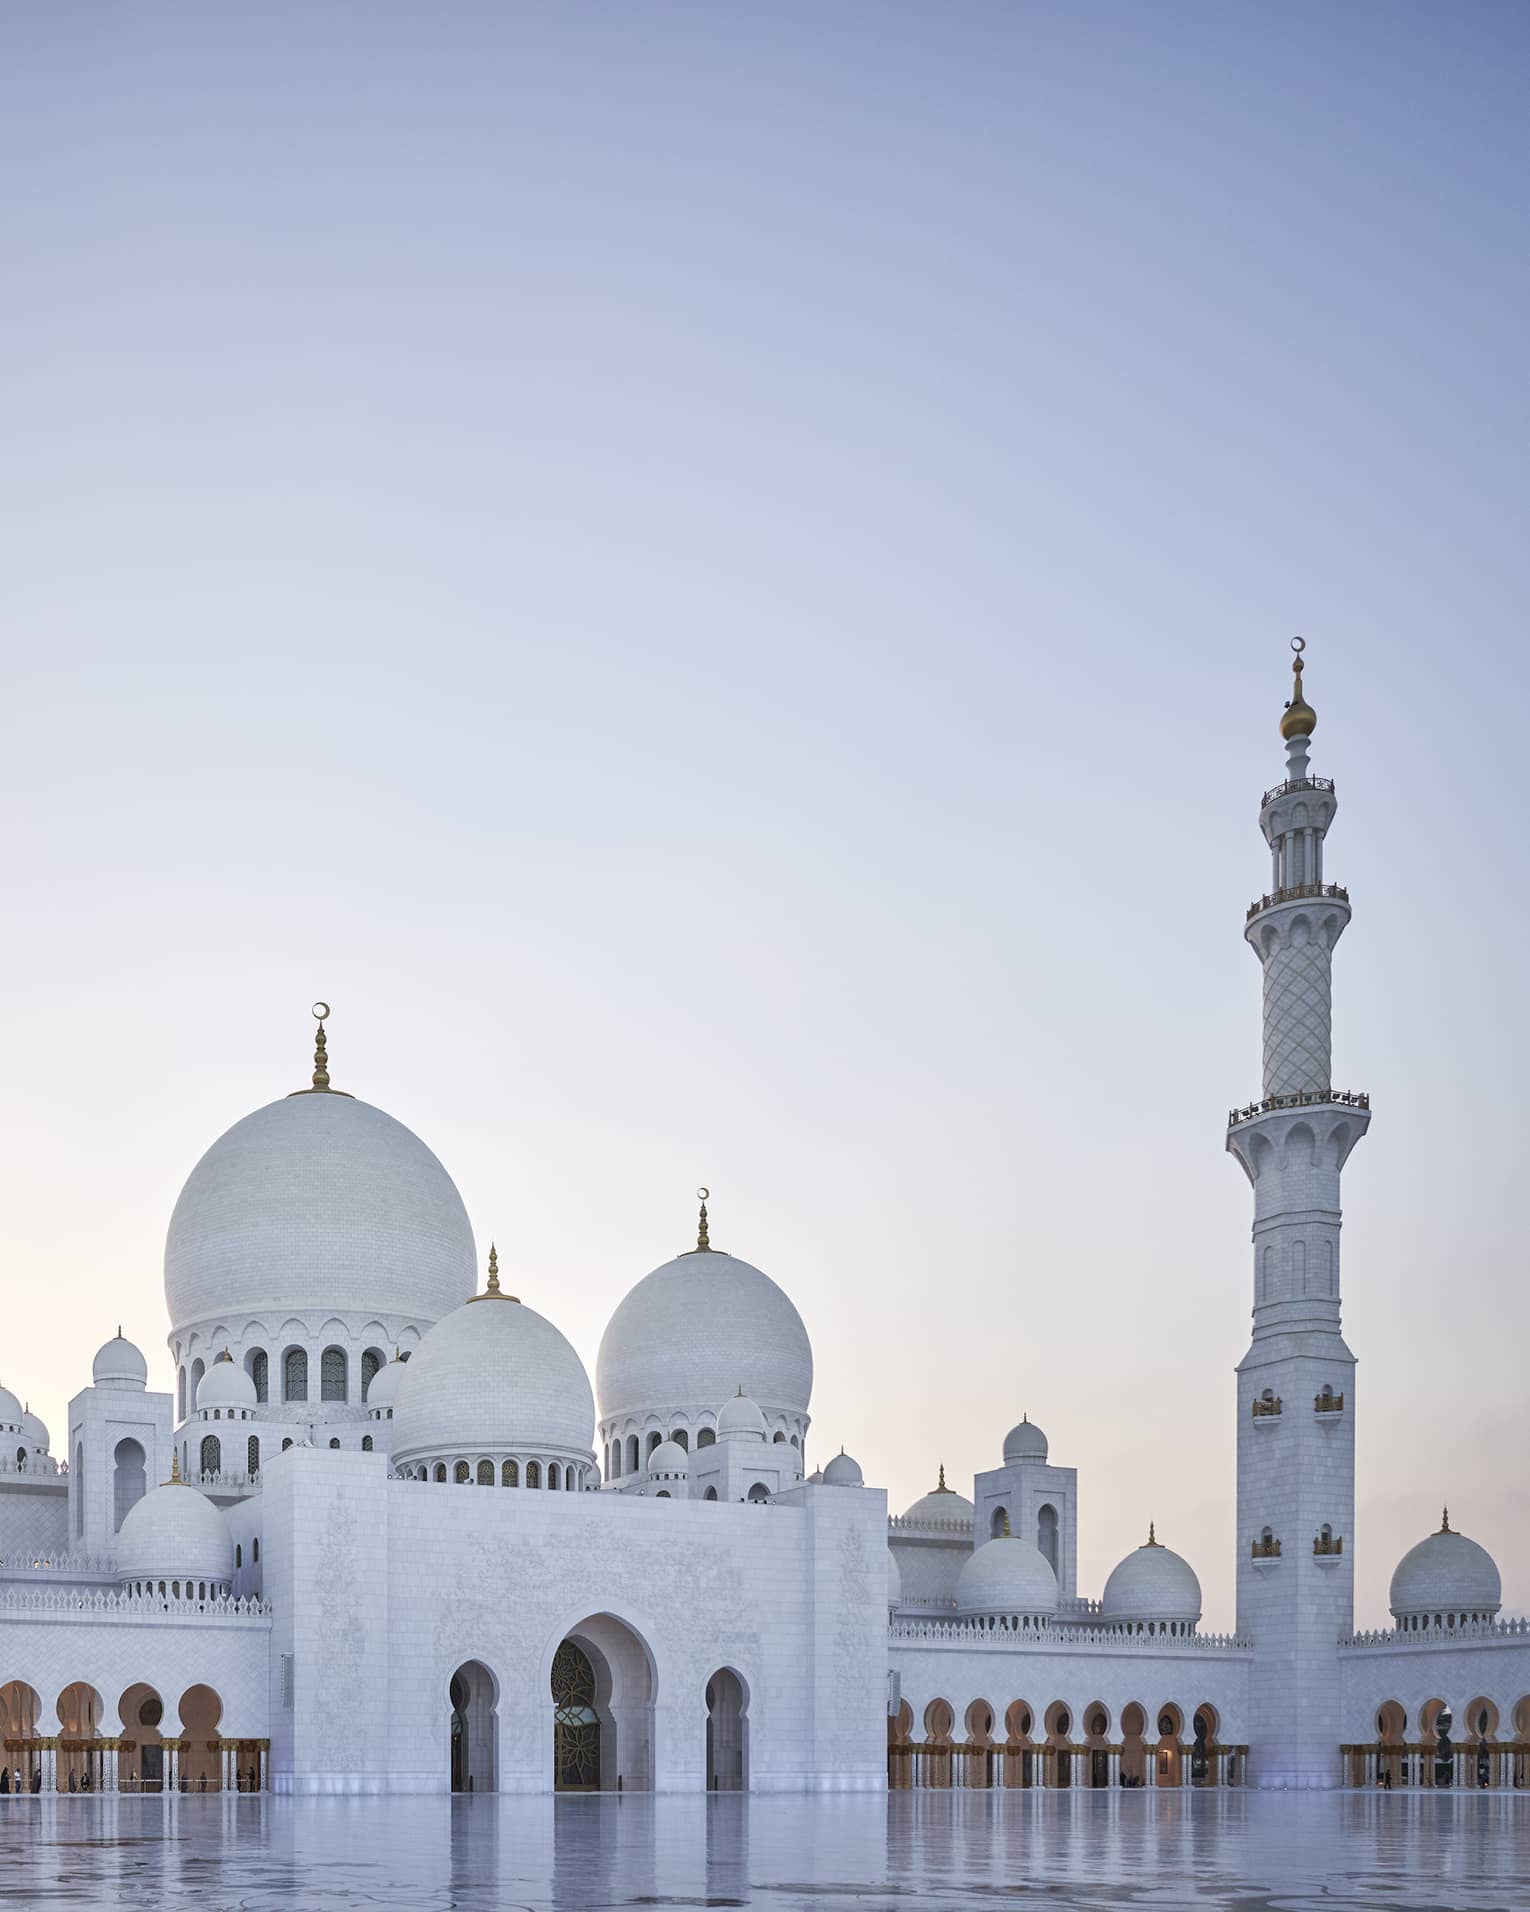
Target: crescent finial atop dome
(321, 1082)
(1300, 719)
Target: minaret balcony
(1264, 1550)
(1266, 1408)
(1326, 1546)
(1328, 1406)
(1295, 893)
(1293, 784)
(1301, 1099)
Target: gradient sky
(718, 580)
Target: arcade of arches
(1484, 1749)
(601, 1694)
(1052, 1747)
(140, 1751)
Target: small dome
(1445, 1574)
(1152, 1583)
(118, 1364)
(695, 1329)
(382, 1390)
(894, 1579)
(842, 1471)
(669, 1457)
(740, 1419)
(175, 1533)
(493, 1376)
(225, 1384)
(33, 1432)
(941, 1503)
(1007, 1576)
(1025, 1442)
(11, 1411)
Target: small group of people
(11, 1780)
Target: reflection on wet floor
(909, 1852)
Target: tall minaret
(1296, 1384)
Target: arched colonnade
(1483, 1746)
(1059, 1747)
(137, 1745)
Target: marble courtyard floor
(910, 1852)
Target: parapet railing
(127, 1606)
(1294, 893)
(65, 1563)
(1295, 783)
(225, 1477)
(1439, 1636)
(901, 1523)
(978, 1633)
(39, 1466)
(1300, 1099)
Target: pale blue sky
(718, 580)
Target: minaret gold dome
(1300, 719)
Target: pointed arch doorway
(727, 1732)
(474, 1728)
(602, 1692)
(576, 1724)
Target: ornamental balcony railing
(1328, 1544)
(983, 1633)
(1295, 783)
(1262, 1409)
(1328, 1402)
(1300, 1099)
(1265, 1549)
(67, 1564)
(35, 1467)
(1439, 1636)
(1294, 893)
(902, 1523)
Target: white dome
(382, 1390)
(33, 1431)
(1025, 1443)
(118, 1364)
(494, 1376)
(941, 1503)
(175, 1533)
(740, 1419)
(1007, 1576)
(1152, 1583)
(842, 1471)
(669, 1457)
(894, 1579)
(225, 1384)
(317, 1204)
(11, 1410)
(1445, 1574)
(696, 1329)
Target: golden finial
(175, 1468)
(940, 1485)
(1152, 1539)
(1300, 719)
(119, 1330)
(1445, 1526)
(703, 1242)
(492, 1290)
(1007, 1535)
(225, 1356)
(320, 1058)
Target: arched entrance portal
(602, 1668)
(141, 1746)
(474, 1728)
(727, 1733)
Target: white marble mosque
(379, 1535)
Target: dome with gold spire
(1300, 719)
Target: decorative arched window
(252, 1456)
(533, 1473)
(796, 1441)
(440, 1470)
(778, 1439)
(335, 1441)
(366, 1443)
(759, 1492)
(295, 1374)
(632, 1453)
(510, 1475)
(710, 1494)
(552, 1476)
(706, 1437)
(212, 1454)
(486, 1473)
(461, 1473)
(1046, 1535)
(332, 1375)
(255, 1550)
(286, 1443)
(653, 1440)
(682, 1440)
(180, 1395)
(372, 1362)
(260, 1374)
(238, 1556)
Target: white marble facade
(379, 1534)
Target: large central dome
(697, 1330)
(317, 1203)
